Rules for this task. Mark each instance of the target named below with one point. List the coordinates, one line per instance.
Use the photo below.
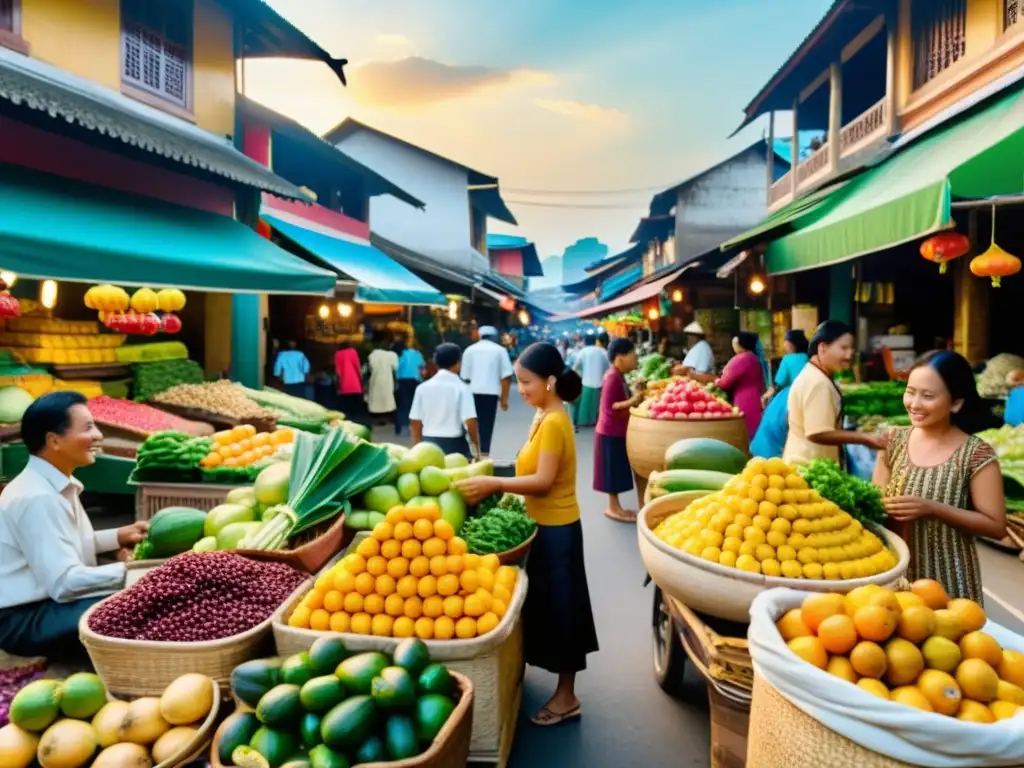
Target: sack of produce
(913, 677)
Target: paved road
(628, 720)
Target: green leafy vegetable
(860, 498)
(505, 526)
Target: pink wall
(34, 148)
(256, 142)
(507, 262)
(317, 214)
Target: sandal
(545, 718)
(627, 516)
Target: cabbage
(14, 401)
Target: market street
(628, 720)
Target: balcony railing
(870, 125)
(813, 165)
(782, 188)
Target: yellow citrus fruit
(411, 549)
(859, 597)
(353, 602)
(472, 561)
(874, 687)
(1011, 667)
(498, 607)
(980, 645)
(376, 565)
(941, 654)
(395, 515)
(354, 563)
(444, 530)
(810, 650)
(455, 564)
(404, 627)
(320, 620)
(886, 598)
(391, 549)
(490, 562)
(365, 583)
(439, 565)
(419, 566)
(424, 628)
(457, 546)
(838, 634)
(422, 529)
(975, 712)
(382, 625)
(486, 578)
(413, 607)
(383, 531)
(947, 625)
(792, 625)
(905, 662)
(840, 667)
(977, 680)
(470, 581)
(444, 628)
(465, 628)
(474, 606)
(941, 690)
(448, 585)
(910, 696)
(487, 623)
(300, 618)
(453, 607)
(1010, 692)
(394, 605)
(874, 623)
(333, 601)
(434, 546)
(385, 585)
(931, 592)
(500, 593)
(869, 659)
(908, 600)
(344, 581)
(433, 606)
(368, 547)
(361, 624)
(1003, 710)
(373, 604)
(916, 623)
(340, 622)
(427, 586)
(398, 567)
(971, 615)
(404, 531)
(407, 586)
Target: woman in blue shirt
(411, 369)
(770, 439)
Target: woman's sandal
(627, 516)
(545, 718)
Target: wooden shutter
(1011, 13)
(7, 10)
(940, 36)
(156, 48)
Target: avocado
(349, 724)
(237, 731)
(326, 654)
(357, 672)
(321, 693)
(412, 654)
(436, 679)
(393, 688)
(400, 738)
(280, 706)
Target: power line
(587, 192)
(592, 206)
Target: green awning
(908, 196)
(55, 228)
(786, 218)
(381, 279)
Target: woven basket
(195, 749)
(517, 555)
(784, 736)
(136, 668)
(326, 540)
(450, 749)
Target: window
(940, 36)
(7, 13)
(156, 47)
(1012, 12)
(10, 26)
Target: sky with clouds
(564, 95)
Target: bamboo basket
(647, 439)
(324, 542)
(784, 736)
(136, 668)
(450, 749)
(517, 555)
(195, 749)
(150, 498)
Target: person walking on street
(443, 409)
(700, 358)
(350, 381)
(487, 367)
(380, 396)
(591, 365)
(612, 472)
(411, 370)
(291, 368)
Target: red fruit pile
(688, 400)
(135, 416)
(197, 597)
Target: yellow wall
(84, 38)
(218, 333)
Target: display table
(108, 475)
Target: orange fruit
(424, 628)
(444, 628)
(385, 585)
(840, 667)
(365, 583)
(498, 607)
(455, 564)
(373, 604)
(419, 566)
(910, 696)
(931, 592)
(439, 565)
(333, 601)
(981, 645)
(1011, 667)
(404, 531)
(908, 599)
(465, 628)
(971, 615)
(869, 659)
(1003, 710)
(376, 565)
(398, 567)
(427, 586)
(434, 546)
(490, 562)
(300, 618)
(977, 680)
(340, 622)
(474, 606)
(886, 598)
(444, 530)
(381, 625)
(859, 597)
(470, 581)
(369, 547)
(404, 627)
(1010, 692)
(874, 687)
(838, 634)
(453, 607)
(818, 607)
(457, 546)
(486, 578)
(361, 624)
(948, 625)
(875, 623)
(487, 623)
(395, 515)
(433, 606)
(413, 607)
(941, 654)
(916, 623)
(792, 625)
(354, 563)
(810, 650)
(422, 529)
(974, 712)
(411, 548)
(407, 586)
(472, 561)
(448, 585)
(394, 605)
(353, 603)
(941, 691)
(383, 531)
(391, 549)
(904, 660)
(314, 599)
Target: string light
(48, 294)
(9, 278)
(653, 314)
(756, 286)
(324, 312)
(345, 310)
(524, 317)
(677, 295)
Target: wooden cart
(719, 652)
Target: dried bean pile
(197, 597)
(222, 397)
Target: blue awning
(616, 285)
(381, 279)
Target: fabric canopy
(381, 279)
(631, 299)
(787, 217)
(55, 228)
(909, 195)
(613, 286)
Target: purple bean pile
(197, 597)
(12, 681)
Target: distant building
(579, 256)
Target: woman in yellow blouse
(558, 623)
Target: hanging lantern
(944, 248)
(9, 306)
(995, 262)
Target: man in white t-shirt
(487, 367)
(700, 358)
(442, 410)
(590, 364)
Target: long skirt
(486, 411)
(585, 410)
(612, 471)
(558, 623)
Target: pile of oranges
(767, 520)
(243, 445)
(412, 577)
(917, 648)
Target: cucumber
(680, 480)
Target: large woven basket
(517, 555)
(784, 736)
(327, 540)
(145, 668)
(450, 749)
(195, 749)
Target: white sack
(891, 729)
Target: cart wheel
(669, 656)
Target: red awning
(626, 300)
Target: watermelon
(705, 453)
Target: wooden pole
(770, 157)
(835, 114)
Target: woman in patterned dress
(942, 485)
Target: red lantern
(995, 262)
(944, 248)
(263, 229)
(149, 324)
(9, 306)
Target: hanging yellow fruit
(144, 301)
(170, 300)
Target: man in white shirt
(443, 411)
(487, 367)
(49, 573)
(700, 358)
(591, 365)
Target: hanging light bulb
(677, 295)
(48, 294)
(756, 285)
(345, 310)
(324, 312)
(453, 310)
(653, 314)
(524, 317)
(9, 278)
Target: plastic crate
(150, 498)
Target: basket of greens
(501, 527)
